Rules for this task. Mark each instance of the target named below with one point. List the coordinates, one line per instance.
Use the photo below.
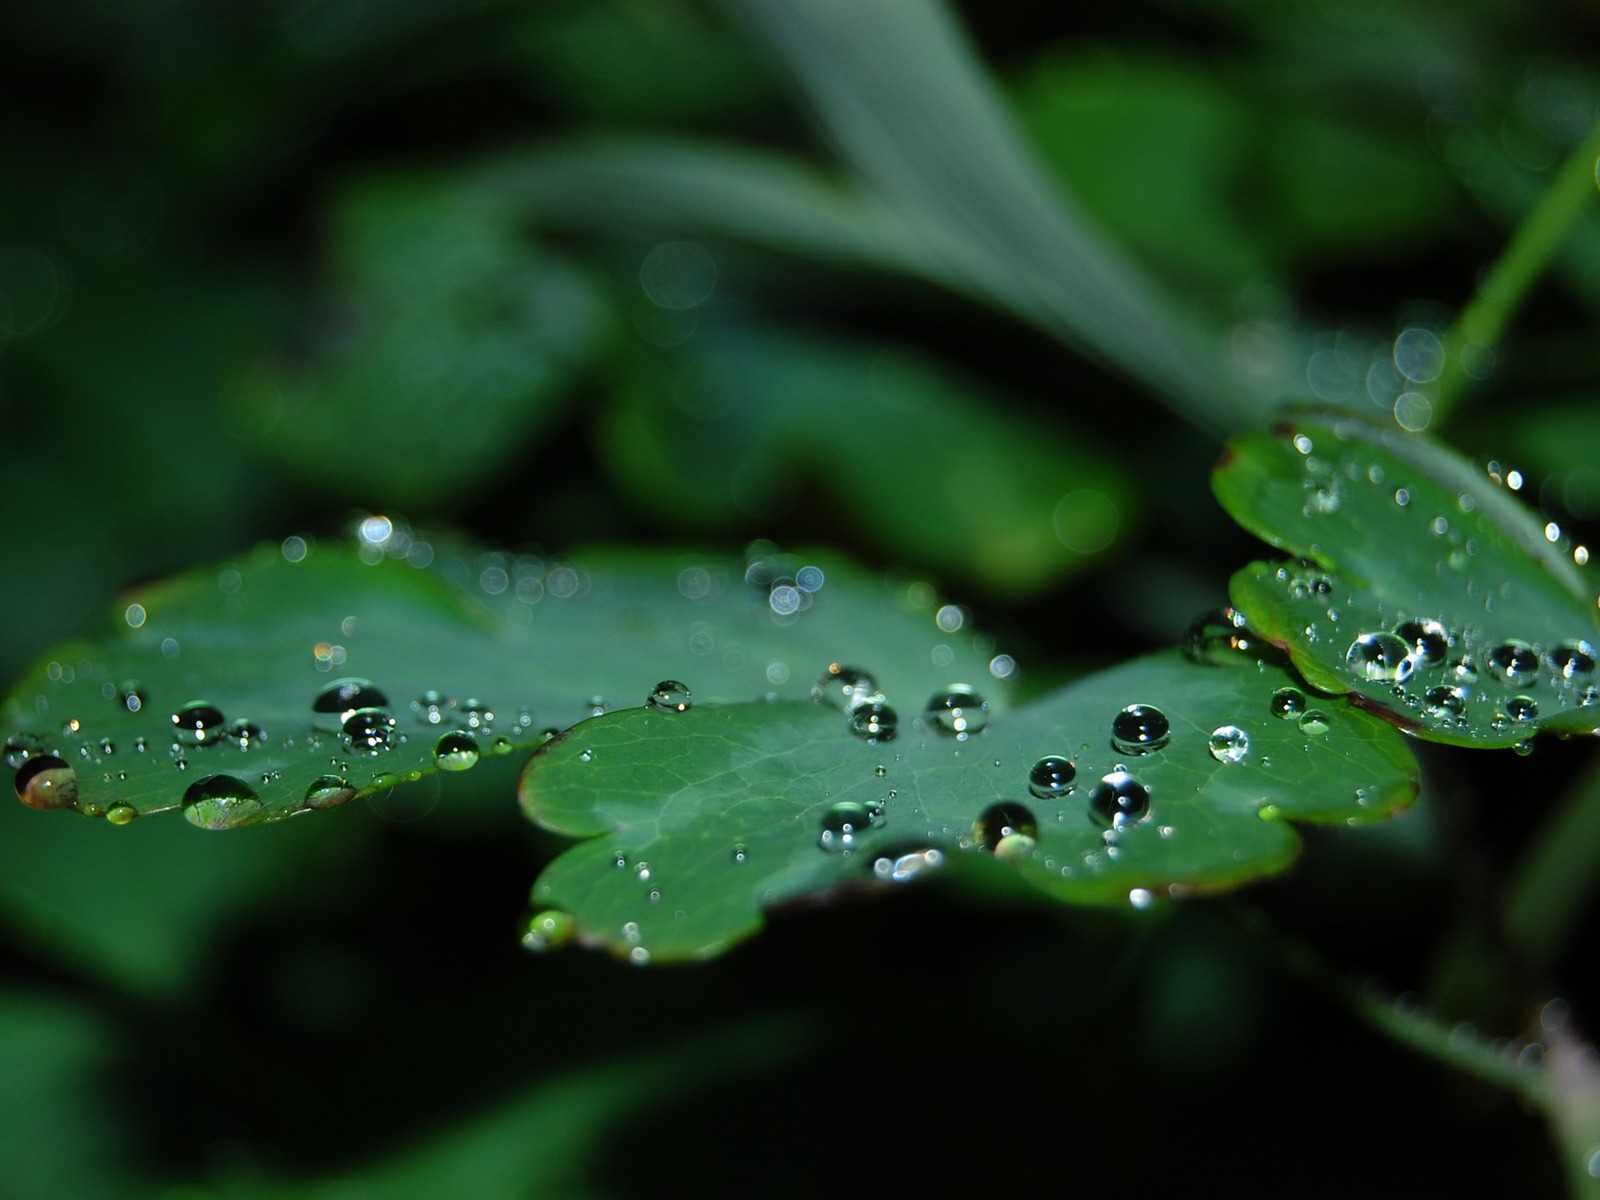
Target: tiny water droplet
(1118, 800)
(1513, 661)
(221, 802)
(1140, 729)
(845, 821)
(670, 696)
(432, 707)
(880, 770)
(131, 696)
(1288, 702)
(328, 791)
(245, 733)
(368, 731)
(741, 852)
(957, 712)
(121, 814)
(548, 929)
(1051, 777)
(45, 781)
(1380, 656)
(586, 756)
(456, 751)
(1004, 823)
(1228, 744)
(197, 722)
(875, 722)
(1427, 639)
(846, 688)
(107, 746)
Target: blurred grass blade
(911, 110)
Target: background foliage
(572, 272)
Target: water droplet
(432, 707)
(197, 722)
(456, 751)
(20, 747)
(874, 722)
(107, 746)
(741, 852)
(1522, 708)
(368, 731)
(245, 733)
(1427, 639)
(45, 781)
(1119, 799)
(846, 688)
(221, 802)
(1574, 658)
(1465, 670)
(958, 712)
(1288, 702)
(1446, 703)
(1513, 661)
(131, 696)
(1140, 729)
(586, 756)
(1314, 722)
(548, 930)
(1228, 744)
(343, 697)
(121, 814)
(670, 696)
(880, 770)
(845, 822)
(328, 791)
(904, 867)
(1051, 777)
(477, 715)
(1218, 638)
(1380, 656)
(1004, 823)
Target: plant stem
(1557, 875)
(1508, 282)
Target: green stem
(1502, 292)
(1557, 875)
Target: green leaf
(1425, 588)
(697, 821)
(298, 677)
(743, 419)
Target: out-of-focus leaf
(1426, 589)
(1161, 775)
(446, 343)
(299, 678)
(742, 419)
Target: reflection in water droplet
(1288, 702)
(197, 722)
(548, 930)
(1522, 708)
(345, 696)
(328, 791)
(958, 712)
(845, 822)
(874, 722)
(903, 868)
(1003, 823)
(1119, 799)
(221, 802)
(1428, 640)
(1574, 658)
(1051, 777)
(45, 781)
(670, 696)
(1380, 656)
(1314, 721)
(121, 814)
(1140, 729)
(368, 731)
(846, 688)
(456, 751)
(1228, 744)
(1445, 703)
(1513, 661)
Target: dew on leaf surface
(328, 791)
(1522, 708)
(1314, 721)
(1051, 777)
(221, 802)
(121, 814)
(1380, 657)
(198, 722)
(1288, 702)
(45, 781)
(874, 722)
(1140, 729)
(20, 747)
(131, 696)
(846, 821)
(1574, 658)
(548, 929)
(1005, 822)
(339, 699)
(1228, 744)
(898, 867)
(670, 696)
(1445, 703)
(1428, 640)
(456, 751)
(1513, 661)
(846, 688)
(957, 712)
(1119, 799)
(245, 733)
(368, 731)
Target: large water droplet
(1119, 799)
(1380, 656)
(368, 731)
(874, 722)
(1288, 702)
(1572, 659)
(1051, 777)
(1513, 661)
(670, 696)
(1228, 744)
(198, 722)
(1140, 729)
(1314, 721)
(1006, 829)
(1445, 703)
(846, 688)
(345, 696)
(548, 929)
(1522, 708)
(221, 802)
(1428, 640)
(328, 791)
(958, 712)
(845, 822)
(45, 781)
(456, 751)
